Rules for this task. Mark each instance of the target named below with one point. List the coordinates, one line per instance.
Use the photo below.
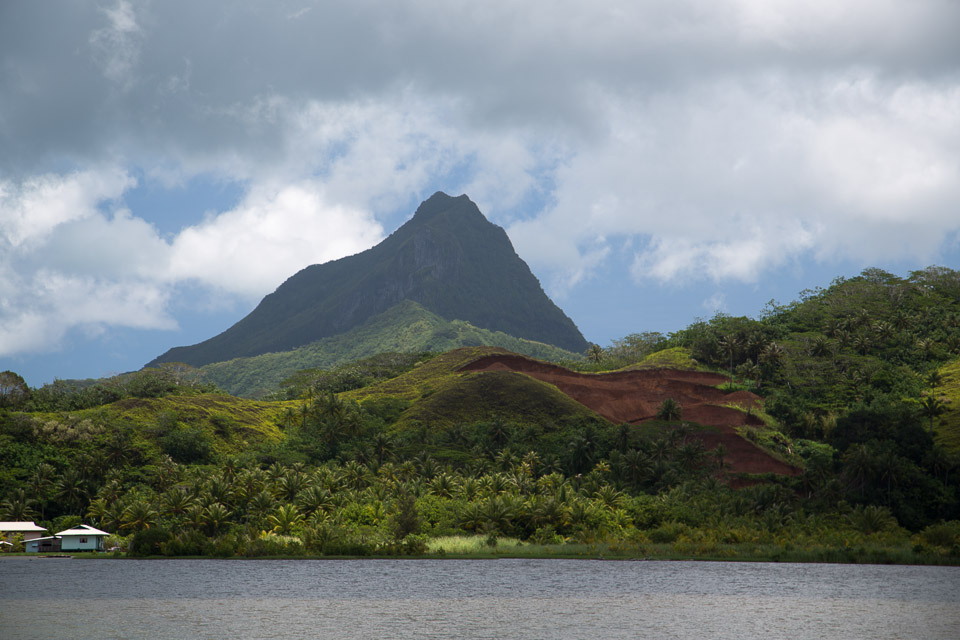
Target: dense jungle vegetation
(860, 384)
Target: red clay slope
(635, 396)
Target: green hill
(404, 328)
(448, 258)
(439, 396)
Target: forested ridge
(858, 386)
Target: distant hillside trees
(173, 378)
(14, 391)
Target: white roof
(20, 526)
(82, 530)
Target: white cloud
(48, 304)
(272, 234)
(728, 180)
(31, 209)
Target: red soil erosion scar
(635, 396)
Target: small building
(47, 544)
(28, 530)
(81, 538)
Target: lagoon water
(159, 599)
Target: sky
(166, 164)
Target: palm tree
(499, 432)
(443, 486)
(505, 459)
(532, 462)
(660, 450)
(939, 462)
(858, 466)
(691, 454)
(175, 502)
(139, 515)
(470, 488)
(926, 346)
(472, 517)
(42, 483)
(773, 355)
(70, 489)
(719, 453)
(289, 485)
(883, 330)
(729, 343)
(19, 506)
(382, 447)
(582, 512)
(315, 498)
(118, 447)
(890, 468)
(219, 490)
(670, 410)
(98, 510)
(932, 407)
(498, 513)
(259, 506)
(286, 519)
(819, 346)
(195, 516)
(871, 519)
(112, 518)
(355, 475)
(215, 517)
(595, 353)
(636, 466)
(581, 452)
(609, 496)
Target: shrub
(546, 535)
(269, 544)
(148, 542)
(187, 445)
(871, 519)
(223, 547)
(945, 534)
(223, 423)
(188, 543)
(667, 532)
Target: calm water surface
(158, 599)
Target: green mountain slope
(447, 258)
(406, 328)
(947, 428)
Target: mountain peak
(440, 203)
(448, 258)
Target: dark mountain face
(449, 258)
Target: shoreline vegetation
(828, 430)
(479, 547)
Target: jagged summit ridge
(448, 258)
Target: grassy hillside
(947, 428)
(672, 358)
(474, 397)
(405, 328)
(225, 424)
